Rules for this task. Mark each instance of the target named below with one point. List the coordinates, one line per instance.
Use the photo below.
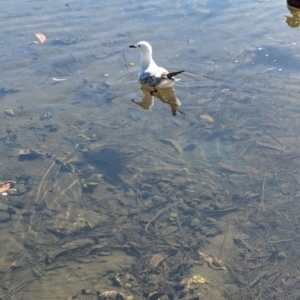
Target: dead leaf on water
(41, 37)
(59, 79)
(207, 118)
(4, 187)
(156, 260)
(202, 101)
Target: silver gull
(150, 73)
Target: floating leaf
(41, 37)
(10, 112)
(156, 260)
(207, 118)
(4, 187)
(202, 101)
(59, 79)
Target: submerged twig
(177, 220)
(155, 217)
(262, 203)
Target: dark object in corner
(294, 3)
(294, 19)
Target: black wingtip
(169, 75)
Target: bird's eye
(139, 45)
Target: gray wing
(149, 79)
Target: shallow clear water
(234, 146)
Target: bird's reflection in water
(294, 18)
(166, 95)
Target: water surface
(110, 195)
